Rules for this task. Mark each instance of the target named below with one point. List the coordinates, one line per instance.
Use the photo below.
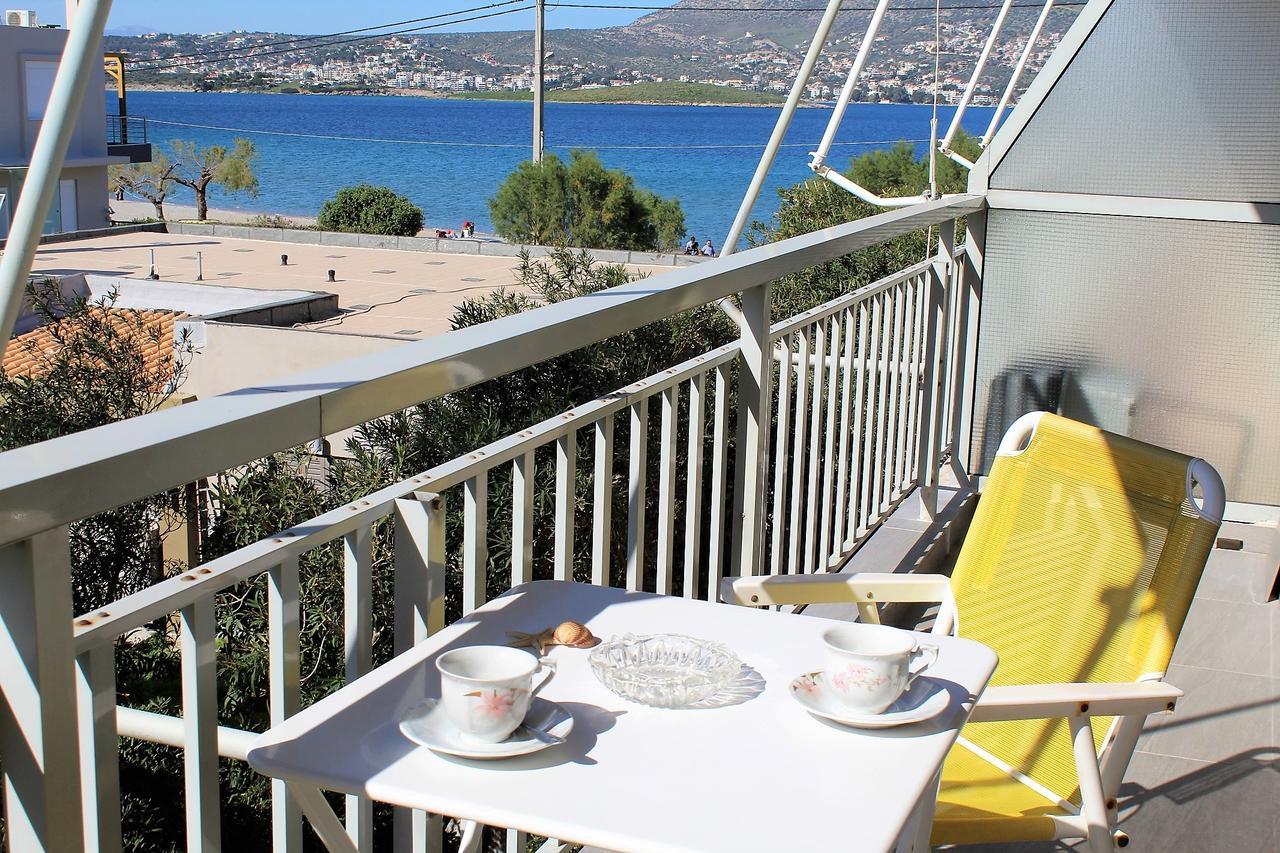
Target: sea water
(313, 145)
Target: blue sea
(312, 145)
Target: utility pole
(538, 57)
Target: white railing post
(357, 610)
(693, 485)
(602, 501)
(99, 748)
(475, 541)
(752, 462)
(284, 616)
(523, 470)
(667, 489)
(566, 501)
(419, 612)
(200, 724)
(38, 742)
(931, 427)
(639, 460)
(719, 482)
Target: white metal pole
(945, 146)
(79, 58)
(538, 74)
(1017, 74)
(819, 157)
(780, 128)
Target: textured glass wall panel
(1167, 98)
(1166, 330)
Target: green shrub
(581, 203)
(366, 209)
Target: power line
(890, 11)
(562, 146)
(300, 39)
(197, 61)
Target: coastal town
(760, 60)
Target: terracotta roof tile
(25, 352)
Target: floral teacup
(870, 666)
(486, 690)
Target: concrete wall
(232, 357)
(92, 210)
(235, 356)
(220, 303)
(17, 134)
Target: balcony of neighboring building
(127, 137)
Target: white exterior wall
(1133, 238)
(87, 151)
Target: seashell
(572, 634)
(575, 634)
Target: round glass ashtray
(664, 670)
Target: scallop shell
(575, 634)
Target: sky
(299, 17)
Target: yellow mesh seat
(1079, 566)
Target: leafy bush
(366, 209)
(581, 203)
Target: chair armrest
(865, 589)
(859, 588)
(1048, 701)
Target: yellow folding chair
(1078, 570)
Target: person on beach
(468, 229)
(691, 248)
(708, 250)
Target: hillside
(639, 93)
(754, 48)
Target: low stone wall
(90, 233)
(412, 244)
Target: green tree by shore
(232, 169)
(581, 203)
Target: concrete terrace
(383, 292)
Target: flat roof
(386, 292)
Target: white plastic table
(755, 773)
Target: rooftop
(153, 331)
(383, 292)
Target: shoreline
(444, 96)
(134, 209)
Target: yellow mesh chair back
(1080, 565)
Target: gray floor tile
(1176, 804)
(1228, 636)
(1222, 715)
(1242, 577)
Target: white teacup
(870, 666)
(486, 690)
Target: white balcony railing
(834, 416)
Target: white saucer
(427, 724)
(924, 700)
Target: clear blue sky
(131, 17)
